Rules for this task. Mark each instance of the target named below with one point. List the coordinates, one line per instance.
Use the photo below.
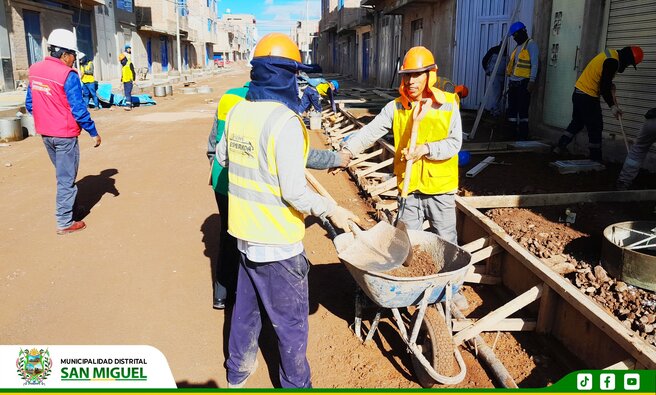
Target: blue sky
(273, 15)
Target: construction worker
(434, 176)
(54, 97)
(127, 50)
(88, 81)
(127, 78)
(224, 273)
(522, 69)
(265, 148)
(597, 79)
(318, 87)
(638, 152)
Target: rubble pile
(634, 307)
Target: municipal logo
(33, 366)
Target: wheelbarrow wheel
(436, 344)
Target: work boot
(128, 108)
(241, 385)
(75, 226)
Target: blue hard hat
(128, 46)
(515, 27)
(335, 84)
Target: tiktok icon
(584, 381)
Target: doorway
(33, 37)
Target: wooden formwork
(561, 310)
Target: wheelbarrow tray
(393, 292)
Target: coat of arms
(34, 366)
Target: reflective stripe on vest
(87, 74)
(126, 73)
(590, 80)
(523, 66)
(428, 176)
(257, 211)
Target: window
(340, 4)
(209, 25)
(417, 27)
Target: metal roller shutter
(633, 22)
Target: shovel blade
(379, 249)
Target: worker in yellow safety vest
(127, 78)
(265, 148)
(88, 82)
(597, 80)
(522, 70)
(434, 174)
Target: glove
(617, 111)
(342, 158)
(340, 217)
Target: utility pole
(178, 9)
(306, 32)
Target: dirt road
(140, 273)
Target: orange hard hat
(121, 56)
(638, 54)
(277, 44)
(462, 91)
(418, 59)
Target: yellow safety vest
(590, 79)
(522, 68)
(126, 73)
(431, 177)
(87, 75)
(257, 211)
(322, 88)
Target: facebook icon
(607, 381)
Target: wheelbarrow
(429, 337)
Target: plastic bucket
(463, 158)
(27, 125)
(315, 121)
(159, 91)
(169, 90)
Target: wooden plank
(494, 317)
(477, 278)
(385, 186)
(507, 325)
(363, 157)
(627, 364)
(639, 349)
(486, 252)
(317, 186)
(555, 199)
(547, 311)
(377, 166)
(391, 193)
(476, 244)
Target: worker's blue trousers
(310, 98)
(64, 153)
(89, 90)
(280, 288)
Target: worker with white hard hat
(54, 97)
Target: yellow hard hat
(121, 56)
(277, 44)
(418, 59)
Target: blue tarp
(106, 96)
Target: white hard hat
(80, 55)
(64, 39)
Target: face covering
(437, 95)
(274, 79)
